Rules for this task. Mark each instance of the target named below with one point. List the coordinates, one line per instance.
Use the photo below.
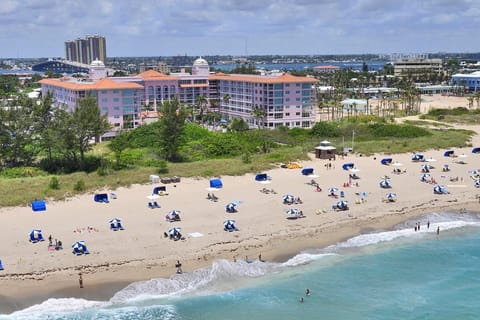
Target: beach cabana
(36, 236)
(418, 157)
(385, 184)
(307, 171)
(80, 248)
(325, 150)
(231, 207)
(261, 177)
(348, 166)
(101, 197)
(386, 161)
(174, 233)
(216, 184)
(341, 205)
(449, 153)
(476, 150)
(439, 189)
(39, 205)
(230, 225)
(159, 190)
(115, 224)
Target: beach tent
(231, 207)
(216, 183)
(159, 189)
(36, 236)
(80, 248)
(307, 171)
(230, 225)
(449, 153)
(439, 189)
(386, 161)
(1, 265)
(261, 177)
(348, 166)
(101, 197)
(426, 167)
(418, 157)
(476, 150)
(385, 184)
(39, 205)
(115, 224)
(174, 233)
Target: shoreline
(102, 285)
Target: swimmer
(301, 299)
(307, 292)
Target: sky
(39, 28)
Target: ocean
(392, 274)
(354, 65)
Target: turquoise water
(399, 274)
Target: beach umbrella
(174, 213)
(386, 161)
(342, 204)
(449, 153)
(475, 172)
(80, 247)
(476, 183)
(174, 231)
(230, 207)
(391, 196)
(476, 150)
(439, 189)
(424, 177)
(426, 166)
(115, 224)
(288, 198)
(229, 225)
(36, 235)
(115, 221)
(292, 212)
(418, 157)
(332, 190)
(385, 183)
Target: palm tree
(258, 114)
(201, 105)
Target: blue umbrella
(229, 225)
(424, 177)
(80, 247)
(115, 221)
(418, 157)
(175, 230)
(292, 211)
(477, 183)
(391, 195)
(385, 183)
(231, 206)
(342, 204)
(439, 189)
(332, 190)
(288, 198)
(36, 235)
(116, 224)
(174, 213)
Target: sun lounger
(151, 206)
(155, 204)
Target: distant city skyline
(39, 28)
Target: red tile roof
(284, 78)
(103, 84)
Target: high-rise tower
(86, 50)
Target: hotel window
(116, 99)
(287, 114)
(104, 91)
(115, 91)
(104, 100)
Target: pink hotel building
(285, 100)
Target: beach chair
(151, 206)
(155, 204)
(214, 198)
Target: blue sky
(39, 28)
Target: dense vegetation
(455, 115)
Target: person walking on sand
(438, 231)
(179, 267)
(80, 280)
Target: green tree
(258, 114)
(200, 106)
(87, 123)
(171, 129)
(119, 144)
(238, 124)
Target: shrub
(162, 167)
(79, 186)
(54, 183)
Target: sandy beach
(33, 273)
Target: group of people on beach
(54, 246)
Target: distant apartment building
(161, 67)
(415, 67)
(86, 50)
(283, 99)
